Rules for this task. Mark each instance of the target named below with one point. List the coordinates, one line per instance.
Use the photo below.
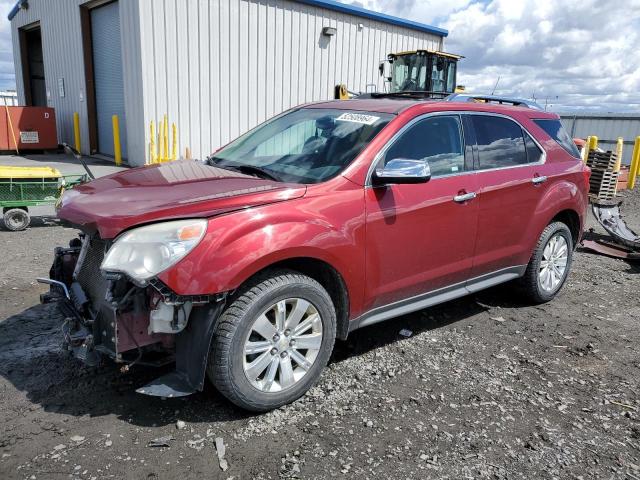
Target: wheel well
(572, 220)
(330, 279)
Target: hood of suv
(181, 189)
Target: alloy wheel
(553, 266)
(282, 345)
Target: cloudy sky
(578, 54)
(7, 78)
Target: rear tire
(275, 316)
(549, 265)
(16, 219)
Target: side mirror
(384, 69)
(402, 170)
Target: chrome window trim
(459, 114)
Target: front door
(421, 237)
(511, 178)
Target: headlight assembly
(144, 252)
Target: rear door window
(555, 130)
(500, 142)
(534, 153)
(436, 139)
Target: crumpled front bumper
(114, 322)
(77, 329)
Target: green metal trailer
(24, 187)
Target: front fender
(240, 244)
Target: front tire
(549, 265)
(273, 341)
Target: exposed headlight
(144, 252)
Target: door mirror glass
(402, 170)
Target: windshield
(409, 73)
(308, 145)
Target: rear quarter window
(555, 130)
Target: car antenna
(495, 86)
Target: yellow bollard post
(585, 150)
(76, 131)
(117, 148)
(160, 142)
(153, 153)
(166, 139)
(634, 169)
(174, 141)
(593, 142)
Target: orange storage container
(34, 128)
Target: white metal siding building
(216, 67)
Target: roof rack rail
(416, 94)
(468, 97)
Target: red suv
(327, 218)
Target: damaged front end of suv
(114, 305)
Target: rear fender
(562, 195)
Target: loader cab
(421, 71)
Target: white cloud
(578, 54)
(428, 11)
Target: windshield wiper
(246, 169)
(257, 171)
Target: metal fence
(607, 127)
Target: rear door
(419, 238)
(511, 178)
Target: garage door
(107, 71)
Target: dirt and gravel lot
(485, 387)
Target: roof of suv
(396, 106)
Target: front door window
(438, 140)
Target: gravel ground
(485, 387)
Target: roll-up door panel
(107, 70)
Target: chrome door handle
(538, 180)
(464, 197)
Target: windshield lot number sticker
(357, 118)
